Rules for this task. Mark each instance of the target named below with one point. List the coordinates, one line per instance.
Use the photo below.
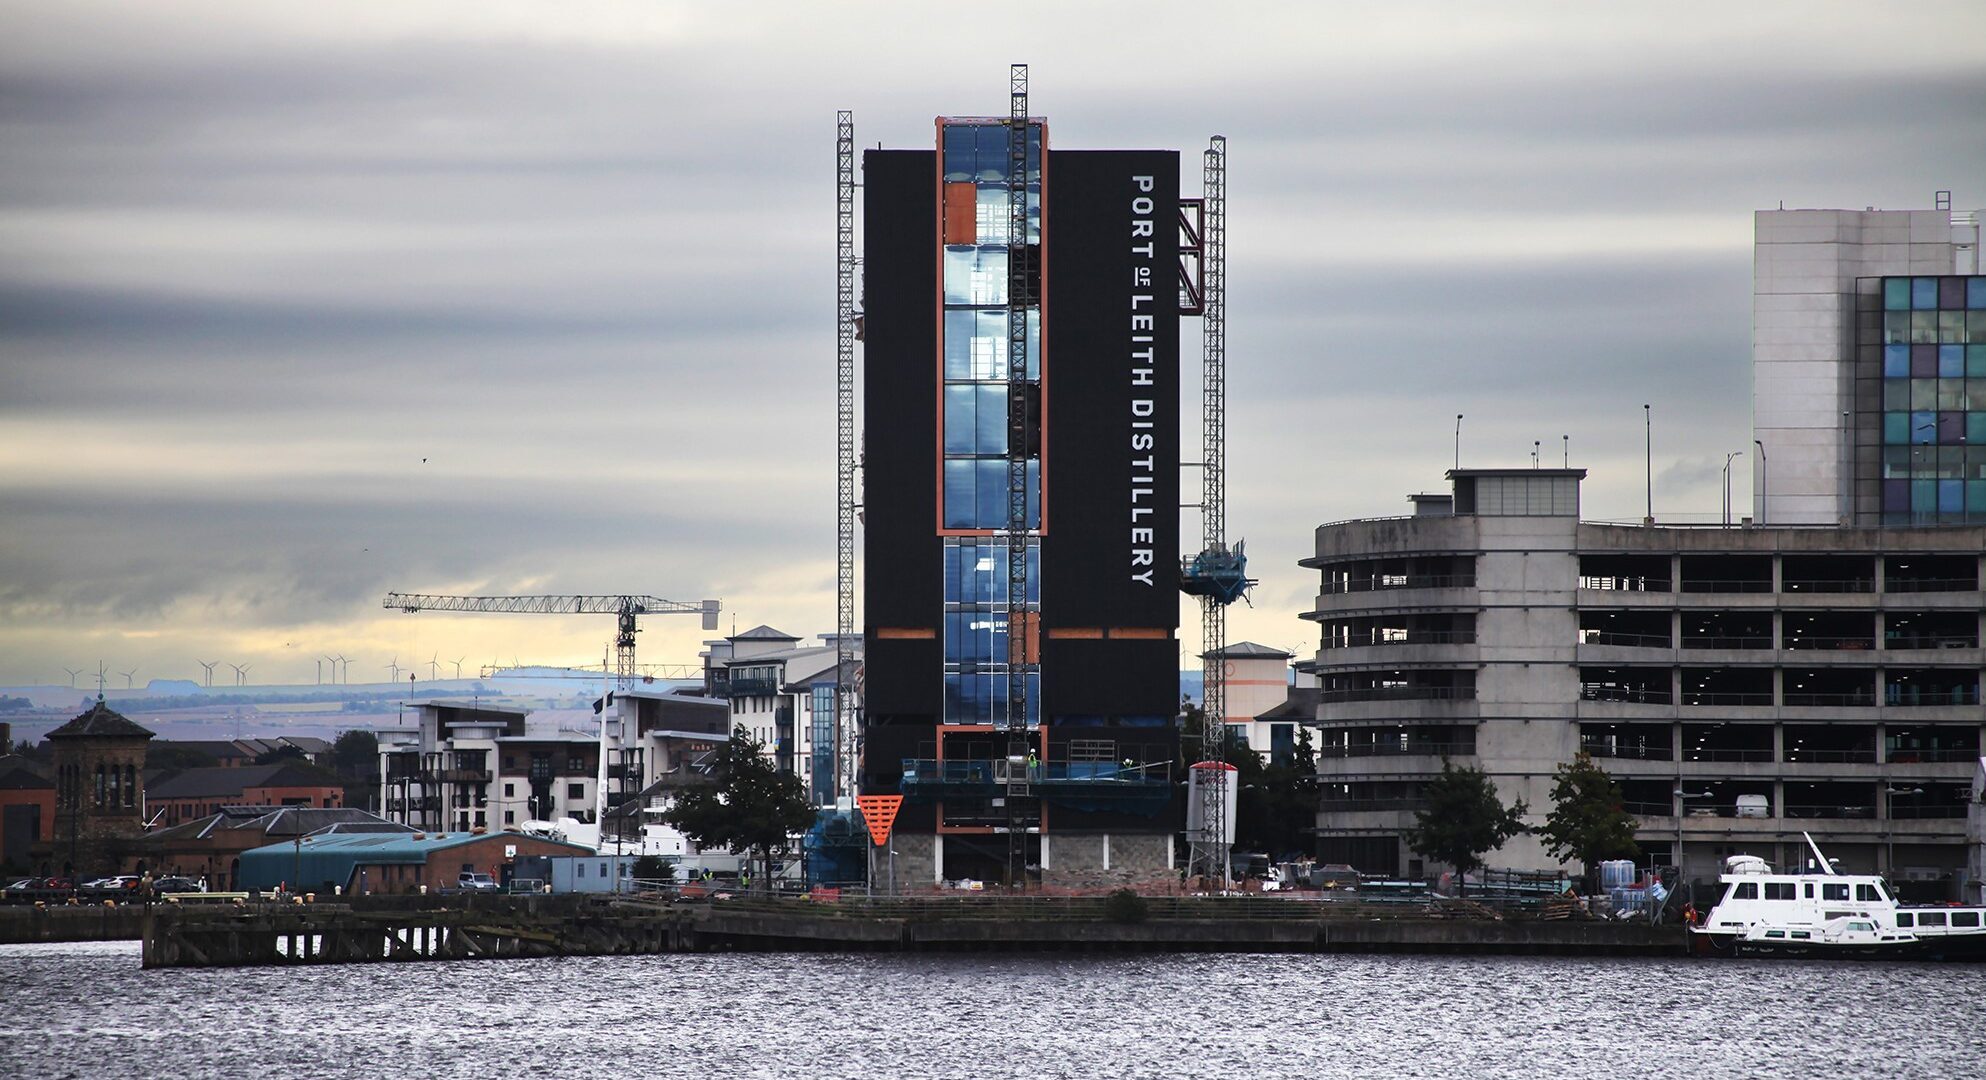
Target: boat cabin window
(1779, 890)
(1861, 926)
(1868, 894)
(1905, 918)
(1837, 915)
(1965, 918)
(1775, 933)
(1930, 918)
(1810, 891)
(1802, 935)
(1745, 890)
(1834, 891)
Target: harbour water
(89, 1010)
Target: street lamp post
(1889, 830)
(1682, 808)
(1727, 484)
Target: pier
(397, 929)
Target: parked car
(176, 885)
(470, 881)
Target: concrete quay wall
(499, 928)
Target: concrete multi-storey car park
(1099, 659)
(1743, 684)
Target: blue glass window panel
(1923, 394)
(1896, 290)
(961, 500)
(1896, 496)
(961, 161)
(1924, 293)
(1924, 427)
(991, 429)
(1975, 497)
(1951, 293)
(1951, 497)
(1923, 496)
(992, 512)
(1033, 498)
(1951, 327)
(975, 275)
(1951, 428)
(958, 344)
(959, 419)
(954, 577)
(1896, 429)
(1896, 361)
(1975, 428)
(1896, 327)
(1975, 361)
(1923, 361)
(1896, 462)
(1951, 361)
(1975, 292)
(1923, 328)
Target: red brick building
(27, 813)
(196, 793)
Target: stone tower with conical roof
(99, 762)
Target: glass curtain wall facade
(1933, 344)
(977, 380)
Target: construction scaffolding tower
(1218, 574)
(845, 460)
(1019, 720)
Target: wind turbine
(394, 667)
(434, 668)
(347, 661)
(127, 677)
(458, 665)
(209, 665)
(240, 673)
(73, 672)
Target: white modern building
(1868, 367)
(782, 692)
(464, 767)
(1257, 680)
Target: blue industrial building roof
(330, 859)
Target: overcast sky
(300, 304)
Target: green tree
(280, 755)
(752, 808)
(355, 755)
(1306, 753)
(1463, 819)
(1588, 821)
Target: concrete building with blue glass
(1089, 424)
(1869, 368)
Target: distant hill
(172, 687)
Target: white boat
(1822, 913)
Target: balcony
(1460, 748)
(463, 776)
(752, 688)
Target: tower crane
(625, 608)
(1218, 575)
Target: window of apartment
(510, 817)
(575, 791)
(510, 791)
(574, 763)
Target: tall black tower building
(1076, 780)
